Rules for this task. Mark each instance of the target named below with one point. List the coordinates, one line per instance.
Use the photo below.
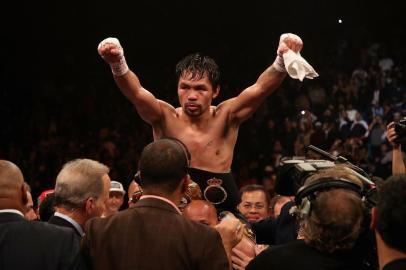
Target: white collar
(15, 211)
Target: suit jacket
(152, 235)
(277, 231)
(36, 245)
(64, 223)
(298, 255)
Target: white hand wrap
(118, 68)
(279, 63)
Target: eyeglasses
(249, 206)
(135, 197)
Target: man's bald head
(201, 211)
(11, 178)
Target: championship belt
(214, 192)
(217, 188)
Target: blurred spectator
(134, 193)
(47, 207)
(276, 204)
(115, 200)
(388, 218)
(30, 212)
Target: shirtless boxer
(209, 132)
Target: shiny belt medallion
(214, 192)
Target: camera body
(400, 129)
(294, 171)
(291, 181)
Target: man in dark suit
(81, 190)
(30, 245)
(153, 234)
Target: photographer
(331, 214)
(398, 166)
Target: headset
(307, 194)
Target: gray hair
(78, 180)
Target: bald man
(45, 245)
(205, 213)
(202, 212)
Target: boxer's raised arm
(148, 107)
(245, 104)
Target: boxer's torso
(210, 141)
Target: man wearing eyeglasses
(134, 193)
(254, 204)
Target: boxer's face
(195, 94)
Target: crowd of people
(326, 225)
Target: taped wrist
(119, 68)
(279, 64)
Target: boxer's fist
(289, 41)
(286, 42)
(112, 52)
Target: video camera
(291, 181)
(294, 171)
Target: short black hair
(391, 212)
(254, 187)
(163, 164)
(198, 65)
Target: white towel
(297, 67)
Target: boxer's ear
(216, 91)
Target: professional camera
(292, 175)
(400, 129)
(294, 171)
